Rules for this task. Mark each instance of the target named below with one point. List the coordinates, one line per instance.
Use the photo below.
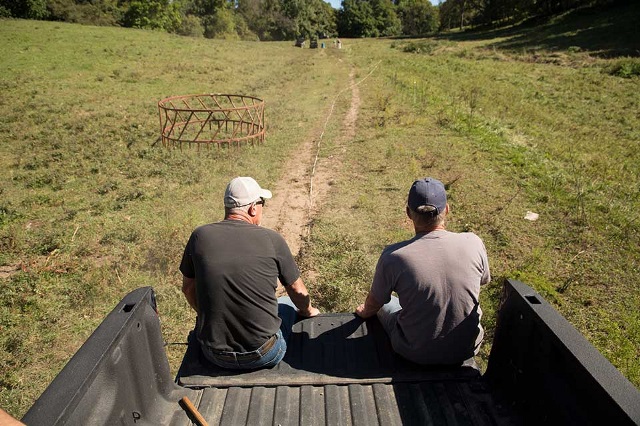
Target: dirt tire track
(294, 205)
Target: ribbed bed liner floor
(340, 370)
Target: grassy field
(91, 207)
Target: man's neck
(426, 230)
(243, 217)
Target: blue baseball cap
(428, 192)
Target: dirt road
(308, 178)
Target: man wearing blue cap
(437, 275)
(230, 271)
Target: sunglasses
(262, 201)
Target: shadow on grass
(604, 31)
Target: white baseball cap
(242, 191)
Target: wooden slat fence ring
(220, 119)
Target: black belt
(248, 356)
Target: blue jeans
(259, 358)
(388, 315)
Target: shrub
(242, 28)
(26, 9)
(191, 26)
(99, 13)
(221, 25)
(625, 68)
(153, 14)
(419, 47)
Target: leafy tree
(387, 21)
(96, 12)
(310, 17)
(497, 10)
(264, 18)
(286, 19)
(297, 11)
(217, 17)
(27, 9)
(458, 13)
(154, 15)
(191, 26)
(355, 19)
(206, 7)
(242, 28)
(368, 18)
(326, 19)
(220, 24)
(418, 17)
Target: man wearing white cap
(437, 275)
(230, 271)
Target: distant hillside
(603, 31)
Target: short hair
(233, 210)
(424, 216)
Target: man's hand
(360, 311)
(369, 308)
(300, 297)
(311, 312)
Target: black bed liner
(341, 370)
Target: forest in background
(270, 20)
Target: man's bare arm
(7, 420)
(189, 290)
(369, 308)
(300, 297)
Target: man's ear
(447, 209)
(253, 210)
(408, 211)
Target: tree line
(289, 19)
(465, 13)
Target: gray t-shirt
(437, 277)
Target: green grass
(510, 136)
(91, 207)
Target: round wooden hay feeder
(204, 120)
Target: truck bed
(340, 370)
